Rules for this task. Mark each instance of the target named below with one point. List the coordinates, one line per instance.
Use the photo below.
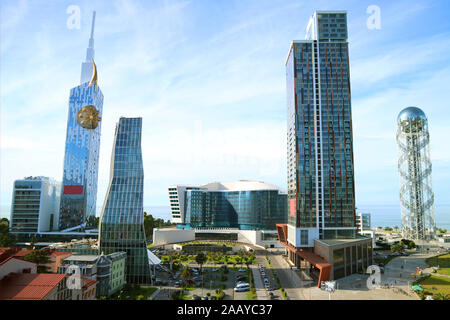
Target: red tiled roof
(60, 253)
(22, 253)
(28, 286)
(7, 252)
(89, 283)
(6, 260)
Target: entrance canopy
(152, 258)
(314, 259)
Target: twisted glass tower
(414, 166)
(79, 192)
(122, 218)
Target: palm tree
(200, 259)
(187, 272)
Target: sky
(208, 79)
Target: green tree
(398, 247)
(6, 239)
(441, 296)
(187, 273)
(40, 257)
(200, 259)
(408, 243)
(150, 223)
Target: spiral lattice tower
(414, 166)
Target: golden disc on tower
(88, 118)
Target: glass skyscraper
(246, 205)
(122, 219)
(321, 190)
(79, 191)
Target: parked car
(271, 296)
(242, 270)
(242, 287)
(196, 297)
(240, 282)
(197, 278)
(205, 298)
(177, 284)
(266, 280)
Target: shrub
(220, 294)
(177, 295)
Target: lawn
(132, 293)
(442, 260)
(251, 295)
(445, 271)
(234, 259)
(435, 284)
(378, 259)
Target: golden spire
(94, 74)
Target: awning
(152, 259)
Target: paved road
(259, 286)
(288, 278)
(402, 270)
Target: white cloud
(153, 63)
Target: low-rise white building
(35, 205)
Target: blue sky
(208, 78)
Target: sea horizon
(385, 215)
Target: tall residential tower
(321, 228)
(321, 190)
(79, 192)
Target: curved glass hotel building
(122, 219)
(245, 205)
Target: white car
(242, 287)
